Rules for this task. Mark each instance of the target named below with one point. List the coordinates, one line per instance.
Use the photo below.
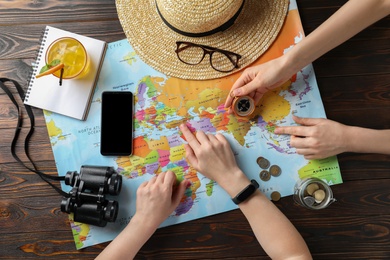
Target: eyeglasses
(220, 60)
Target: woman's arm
(156, 200)
(212, 156)
(363, 140)
(350, 19)
(318, 138)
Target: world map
(161, 104)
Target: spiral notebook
(73, 96)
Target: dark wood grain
(354, 81)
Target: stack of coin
(266, 173)
(263, 163)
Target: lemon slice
(51, 70)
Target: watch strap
(246, 192)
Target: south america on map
(162, 103)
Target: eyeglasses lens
(190, 54)
(222, 62)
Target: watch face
(243, 106)
(246, 193)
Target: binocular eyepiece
(87, 198)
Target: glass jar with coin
(313, 193)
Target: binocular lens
(111, 211)
(115, 184)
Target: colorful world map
(161, 104)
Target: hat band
(220, 28)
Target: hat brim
(253, 32)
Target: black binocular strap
(30, 113)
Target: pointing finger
(291, 130)
(307, 121)
(191, 139)
(190, 155)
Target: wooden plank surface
(354, 81)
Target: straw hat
(153, 27)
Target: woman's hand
(159, 197)
(212, 156)
(256, 81)
(156, 200)
(316, 138)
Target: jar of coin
(313, 193)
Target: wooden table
(354, 80)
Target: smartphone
(116, 131)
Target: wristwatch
(246, 192)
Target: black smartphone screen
(117, 123)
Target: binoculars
(87, 199)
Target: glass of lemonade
(72, 54)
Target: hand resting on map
(212, 156)
(156, 200)
(318, 138)
(159, 197)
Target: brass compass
(243, 106)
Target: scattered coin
(275, 170)
(262, 162)
(311, 188)
(309, 201)
(265, 175)
(275, 196)
(319, 195)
